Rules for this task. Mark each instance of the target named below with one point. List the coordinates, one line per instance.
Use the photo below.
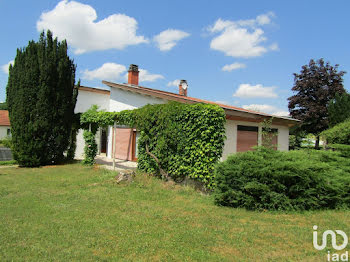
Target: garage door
(123, 143)
(247, 137)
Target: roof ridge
(193, 99)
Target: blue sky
(242, 53)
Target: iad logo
(332, 257)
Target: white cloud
(108, 71)
(145, 76)
(5, 68)
(176, 82)
(167, 39)
(242, 38)
(274, 47)
(233, 66)
(76, 22)
(115, 72)
(267, 109)
(265, 19)
(281, 113)
(247, 91)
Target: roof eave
(175, 97)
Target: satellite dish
(184, 85)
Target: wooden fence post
(113, 144)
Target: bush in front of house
(273, 180)
(187, 140)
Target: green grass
(75, 213)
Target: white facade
(120, 99)
(4, 131)
(230, 146)
(123, 100)
(84, 101)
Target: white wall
(123, 100)
(283, 138)
(84, 101)
(230, 146)
(3, 131)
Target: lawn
(75, 213)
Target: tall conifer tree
(41, 100)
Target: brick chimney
(183, 88)
(133, 75)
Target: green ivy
(90, 148)
(187, 140)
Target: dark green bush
(339, 134)
(343, 149)
(296, 180)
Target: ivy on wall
(176, 140)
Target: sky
(240, 53)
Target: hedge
(273, 180)
(176, 140)
(339, 134)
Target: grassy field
(74, 213)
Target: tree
(41, 100)
(315, 86)
(339, 109)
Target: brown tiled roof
(4, 118)
(94, 90)
(186, 99)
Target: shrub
(6, 142)
(90, 148)
(296, 180)
(343, 149)
(339, 134)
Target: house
(5, 128)
(243, 127)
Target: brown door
(124, 143)
(247, 138)
(103, 141)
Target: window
(8, 131)
(270, 138)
